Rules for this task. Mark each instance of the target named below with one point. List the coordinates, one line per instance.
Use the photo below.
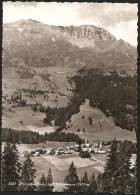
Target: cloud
(111, 13)
(129, 28)
(50, 13)
(118, 18)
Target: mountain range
(31, 43)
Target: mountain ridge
(86, 45)
(67, 28)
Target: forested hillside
(113, 93)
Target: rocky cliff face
(88, 32)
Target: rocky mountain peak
(88, 32)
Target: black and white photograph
(69, 97)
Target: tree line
(118, 176)
(30, 137)
(63, 114)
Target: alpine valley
(74, 79)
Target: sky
(120, 19)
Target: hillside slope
(102, 127)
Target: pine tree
(10, 167)
(134, 175)
(49, 181)
(117, 177)
(110, 169)
(42, 184)
(43, 179)
(72, 178)
(49, 177)
(85, 178)
(123, 180)
(28, 175)
(99, 183)
(84, 182)
(93, 185)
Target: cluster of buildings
(96, 148)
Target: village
(85, 150)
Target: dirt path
(97, 160)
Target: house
(71, 148)
(76, 147)
(101, 152)
(37, 154)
